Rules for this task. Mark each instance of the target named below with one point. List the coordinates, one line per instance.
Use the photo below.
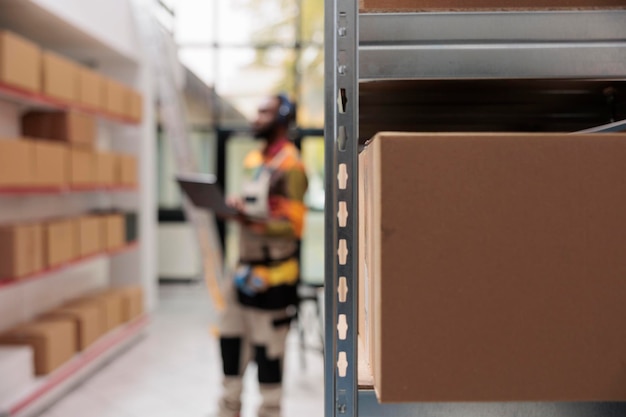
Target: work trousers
(247, 334)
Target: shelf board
(29, 191)
(11, 282)
(35, 100)
(50, 387)
(526, 45)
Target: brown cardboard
(59, 242)
(113, 226)
(111, 304)
(135, 110)
(52, 340)
(15, 242)
(498, 266)
(88, 235)
(51, 164)
(105, 168)
(132, 302)
(60, 77)
(127, 174)
(82, 168)
(370, 6)
(36, 253)
(72, 127)
(20, 62)
(88, 318)
(114, 98)
(90, 86)
(16, 163)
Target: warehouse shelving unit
(81, 33)
(583, 45)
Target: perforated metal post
(341, 138)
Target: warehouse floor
(175, 370)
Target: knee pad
(231, 355)
(270, 370)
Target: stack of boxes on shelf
(57, 150)
(34, 247)
(56, 336)
(64, 152)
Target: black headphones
(286, 110)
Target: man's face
(266, 122)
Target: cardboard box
(75, 128)
(497, 265)
(89, 320)
(21, 246)
(114, 231)
(16, 163)
(51, 164)
(115, 98)
(127, 170)
(111, 305)
(132, 302)
(15, 242)
(134, 105)
(20, 62)
(90, 86)
(106, 172)
(88, 235)
(60, 77)
(59, 242)
(372, 6)
(52, 341)
(82, 168)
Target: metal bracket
(341, 140)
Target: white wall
(109, 21)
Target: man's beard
(267, 132)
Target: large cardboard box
(60, 77)
(114, 230)
(89, 320)
(75, 128)
(53, 342)
(132, 302)
(59, 242)
(16, 163)
(464, 5)
(134, 105)
(106, 172)
(88, 235)
(90, 86)
(82, 168)
(111, 306)
(114, 98)
(127, 170)
(20, 62)
(51, 164)
(21, 246)
(498, 266)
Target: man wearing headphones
(263, 293)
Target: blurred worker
(262, 295)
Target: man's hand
(235, 202)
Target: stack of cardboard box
(25, 66)
(56, 336)
(28, 248)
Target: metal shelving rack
(442, 46)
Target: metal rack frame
(530, 45)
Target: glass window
(256, 22)
(311, 89)
(312, 18)
(194, 22)
(201, 61)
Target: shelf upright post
(341, 215)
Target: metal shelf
(528, 45)
(585, 45)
